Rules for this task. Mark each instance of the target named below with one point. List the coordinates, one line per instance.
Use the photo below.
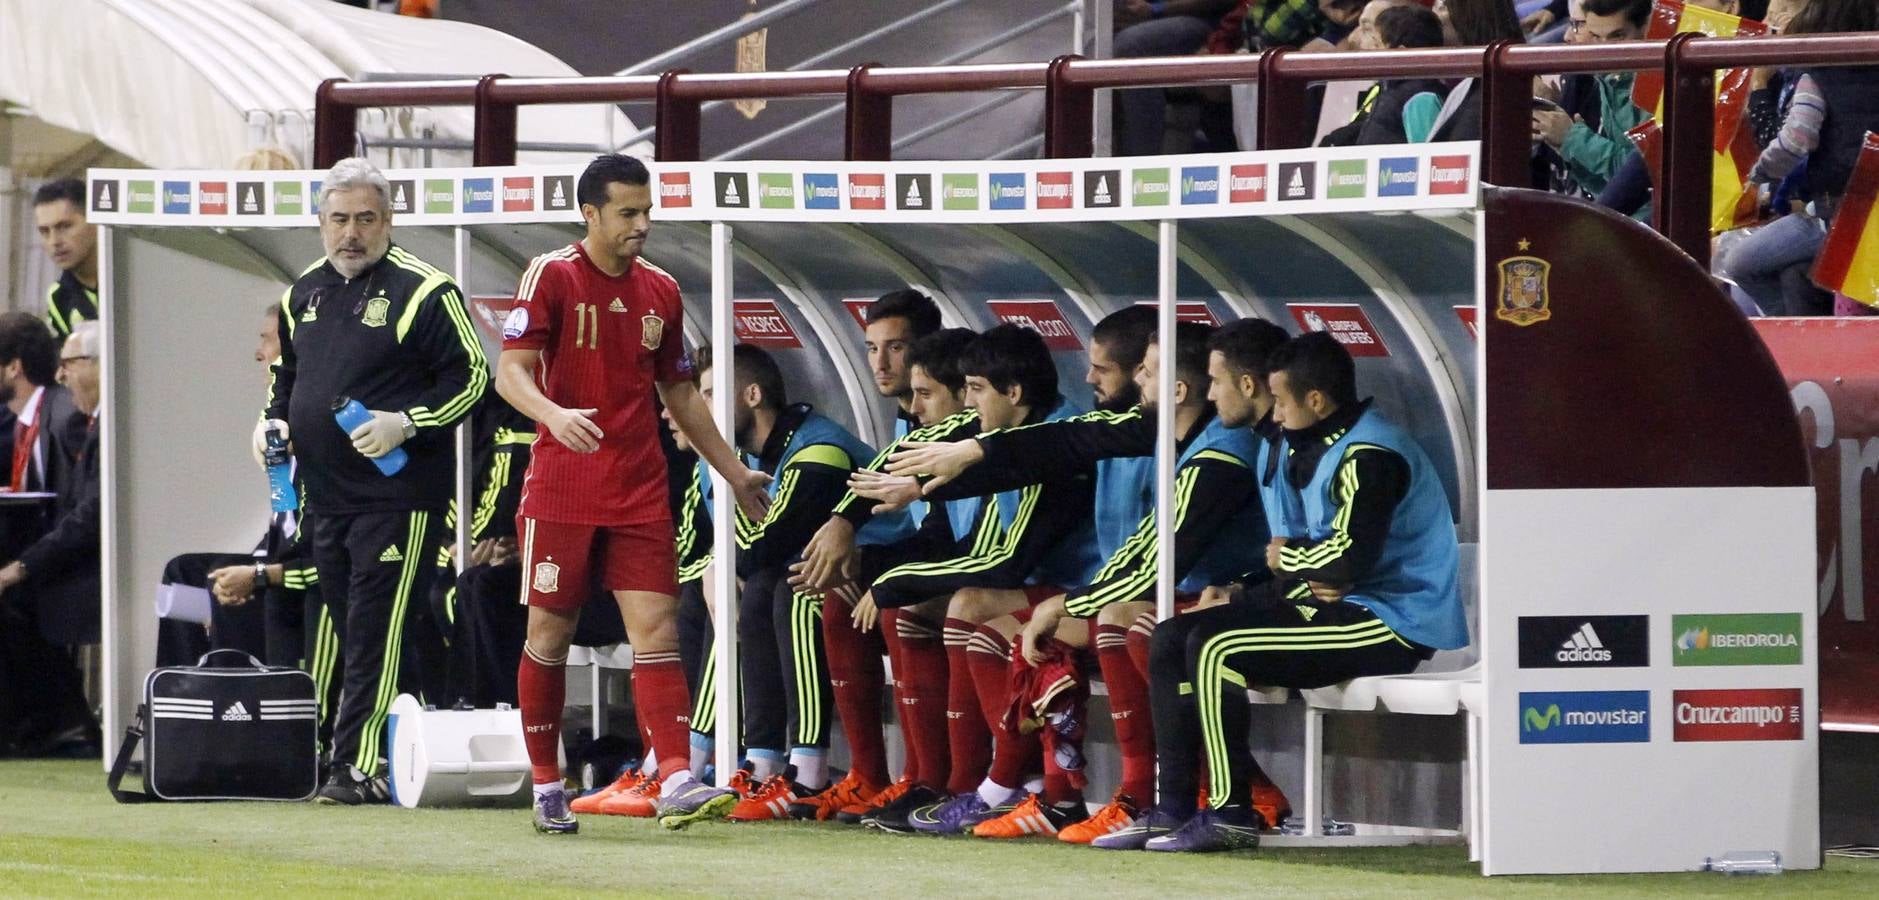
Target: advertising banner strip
(1211, 185)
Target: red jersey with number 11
(604, 342)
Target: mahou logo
(675, 189)
(1448, 174)
(867, 191)
(1053, 191)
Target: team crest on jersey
(547, 578)
(375, 310)
(651, 329)
(515, 324)
(1524, 299)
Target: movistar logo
(1534, 720)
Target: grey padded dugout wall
(1405, 271)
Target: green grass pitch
(62, 836)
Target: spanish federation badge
(547, 578)
(651, 329)
(1524, 299)
(375, 310)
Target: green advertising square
(143, 197)
(959, 191)
(776, 190)
(290, 198)
(440, 195)
(1149, 187)
(1349, 179)
(1736, 639)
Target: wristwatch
(410, 429)
(260, 575)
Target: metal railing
(1506, 70)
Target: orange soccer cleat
(853, 813)
(1119, 814)
(769, 800)
(590, 803)
(1269, 802)
(849, 791)
(1031, 818)
(641, 801)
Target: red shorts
(559, 561)
(1035, 594)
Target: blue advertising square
(1585, 717)
(1398, 176)
(1200, 184)
(479, 195)
(1008, 190)
(176, 198)
(821, 191)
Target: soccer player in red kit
(594, 332)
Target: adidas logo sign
(104, 198)
(1298, 181)
(236, 713)
(913, 193)
(391, 554)
(616, 306)
(731, 197)
(1583, 646)
(1102, 191)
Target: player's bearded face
(1234, 407)
(355, 229)
(1113, 385)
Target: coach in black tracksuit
(373, 323)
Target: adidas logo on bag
(1583, 646)
(391, 554)
(236, 713)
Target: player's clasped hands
(574, 429)
(828, 558)
(942, 461)
(893, 491)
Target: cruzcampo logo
(440, 196)
(143, 197)
(1348, 179)
(1752, 639)
(959, 191)
(290, 198)
(1149, 187)
(776, 190)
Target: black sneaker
(892, 818)
(347, 786)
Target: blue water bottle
(280, 474)
(350, 414)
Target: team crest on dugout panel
(1523, 298)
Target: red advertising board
(761, 323)
(1449, 174)
(1189, 311)
(1466, 314)
(214, 198)
(858, 308)
(867, 190)
(518, 194)
(1749, 714)
(1041, 316)
(489, 311)
(675, 189)
(1346, 322)
(1833, 374)
(1053, 191)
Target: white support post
(118, 642)
(1314, 772)
(723, 507)
(1166, 300)
(466, 471)
(1102, 46)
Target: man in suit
(59, 573)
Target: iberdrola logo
(1693, 640)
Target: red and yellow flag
(1849, 259)
(1732, 204)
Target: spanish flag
(1849, 259)
(1732, 204)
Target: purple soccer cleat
(695, 802)
(552, 815)
(1212, 831)
(961, 813)
(1149, 825)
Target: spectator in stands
(48, 428)
(72, 244)
(1828, 113)
(1470, 23)
(59, 571)
(1380, 115)
(1156, 28)
(1593, 156)
(1366, 36)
